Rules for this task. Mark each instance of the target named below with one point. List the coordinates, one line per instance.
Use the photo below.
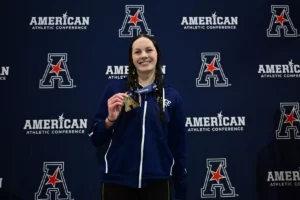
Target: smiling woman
(143, 120)
(144, 58)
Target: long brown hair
(132, 81)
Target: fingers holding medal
(115, 104)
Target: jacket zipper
(142, 145)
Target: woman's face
(144, 55)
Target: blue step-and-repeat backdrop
(235, 63)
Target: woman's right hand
(115, 104)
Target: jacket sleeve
(178, 146)
(98, 132)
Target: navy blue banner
(236, 65)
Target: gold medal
(130, 103)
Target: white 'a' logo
(217, 177)
(57, 69)
(281, 20)
(211, 69)
(134, 20)
(53, 184)
(289, 121)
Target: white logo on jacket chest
(167, 102)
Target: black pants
(156, 191)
